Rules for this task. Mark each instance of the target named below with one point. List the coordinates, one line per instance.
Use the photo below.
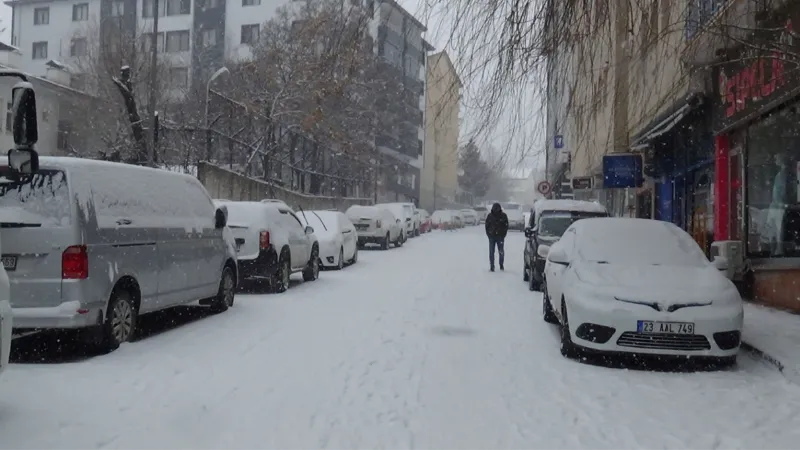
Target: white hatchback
(639, 286)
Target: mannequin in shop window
(777, 207)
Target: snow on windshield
(43, 202)
(637, 242)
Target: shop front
(757, 161)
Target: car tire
(355, 256)
(280, 279)
(226, 292)
(416, 232)
(400, 240)
(568, 348)
(547, 308)
(385, 242)
(525, 274)
(120, 323)
(533, 285)
(340, 264)
(311, 272)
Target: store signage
(622, 171)
(761, 74)
(582, 183)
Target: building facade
(439, 183)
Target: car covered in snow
(515, 213)
(425, 221)
(482, 212)
(272, 243)
(404, 212)
(376, 225)
(338, 239)
(443, 219)
(619, 285)
(470, 216)
(93, 245)
(545, 223)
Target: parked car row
(450, 219)
(388, 224)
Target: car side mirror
(309, 230)
(543, 251)
(558, 256)
(23, 161)
(221, 217)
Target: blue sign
(622, 171)
(558, 141)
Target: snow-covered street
(415, 347)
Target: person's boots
(491, 268)
(501, 267)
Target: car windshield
(554, 224)
(511, 206)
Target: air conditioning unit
(733, 253)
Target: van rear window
(41, 202)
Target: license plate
(649, 326)
(9, 262)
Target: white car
(272, 243)
(516, 217)
(338, 240)
(404, 212)
(639, 286)
(376, 225)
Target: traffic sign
(558, 141)
(543, 187)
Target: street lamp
(222, 70)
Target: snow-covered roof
(568, 205)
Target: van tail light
(75, 263)
(378, 223)
(263, 240)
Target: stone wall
(227, 185)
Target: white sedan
(639, 286)
(337, 237)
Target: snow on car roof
(568, 205)
(369, 212)
(635, 241)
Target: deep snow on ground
(417, 347)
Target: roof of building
(397, 6)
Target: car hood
(666, 285)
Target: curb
(764, 356)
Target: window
(773, 200)
(40, 50)
(9, 117)
(178, 7)
(117, 8)
(179, 77)
(392, 54)
(64, 131)
(205, 4)
(251, 2)
(210, 37)
(78, 47)
(147, 8)
(80, 12)
(147, 40)
(41, 16)
(177, 41)
(250, 34)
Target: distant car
(376, 225)
(272, 243)
(482, 211)
(443, 220)
(338, 240)
(470, 216)
(404, 212)
(516, 217)
(639, 286)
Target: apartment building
(439, 184)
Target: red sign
(543, 187)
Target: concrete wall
(224, 184)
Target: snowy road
(418, 347)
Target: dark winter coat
(496, 223)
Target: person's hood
(496, 209)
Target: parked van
(404, 212)
(272, 243)
(375, 225)
(93, 245)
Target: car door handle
(124, 222)
(346, 231)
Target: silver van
(92, 245)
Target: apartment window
(251, 2)
(210, 37)
(41, 16)
(80, 12)
(178, 7)
(209, 3)
(250, 34)
(147, 8)
(147, 40)
(117, 8)
(179, 76)
(40, 50)
(9, 117)
(78, 47)
(64, 131)
(177, 41)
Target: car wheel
(120, 323)
(340, 265)
(533, 285)
(355, 257)
(227, 290)
(547, 308)
(568, 348)
(311, 272)
(280, 280)
(385, 242)
(525, 274)
(400, 240)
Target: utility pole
(151, 151)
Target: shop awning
(665, 122)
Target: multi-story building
(439, 183)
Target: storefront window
(773, 205)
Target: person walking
(496, 230)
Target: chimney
(10, 56)
(57, 73)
